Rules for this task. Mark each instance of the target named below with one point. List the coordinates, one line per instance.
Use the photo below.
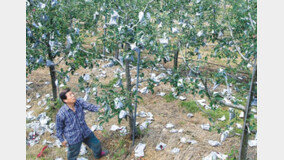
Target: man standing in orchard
(70, 123)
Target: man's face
(70, 98)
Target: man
(70, 123)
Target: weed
(54, 106)
(190, 106)
(169, 97)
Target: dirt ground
(120, 146)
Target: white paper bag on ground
(161, 146)
(83, 150)
(224, 135)
(169, 125)
(189, 115)
(139, 150)
(183, 140)
(214, 143)
(215, 156)
(161, 94)
(182, 98)
(223, 118)
(114, 128)
(173, 131)
(144, 125)
(239, 126)
(252, 143)
(191, 141)
(142, 114)
(205, 126)
(175, 150)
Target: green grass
(217, 113)
(190, 106)
(54, 106)
(169, 97)
(121, 150)
(105, 133)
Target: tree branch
(235, 44)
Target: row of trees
(147, 34)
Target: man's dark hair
(62, 95)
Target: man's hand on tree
(64, 143)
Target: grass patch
(190, 106)
(169, 97)
(120, 149)
(216, 113)
(105, 133)
(54, 106)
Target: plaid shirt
(72, 124)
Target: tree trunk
(53, 79)
(52, 71)
(176, 60)
(128, 86)
(245, 134)
(117, 52)
(104, 48)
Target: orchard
(196, 58)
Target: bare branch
(251, 22)
(235, 44)
(113, 58)
(61, 59)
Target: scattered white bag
(252, 143)
(182, 98)
(169, 125)
(37, 95)
(175, 150)
(83, 150)
(122, 114)
(57, 143)
(28, 100)
(224, 135)
(239, 126)
(144, 125)
(214, 143)
(223, 118)
(183, 140)
(118, 104)
(114, 128)
(161, 146)
(173, 131)
(144, 90)
(139, 150)
(192, 141)
(142, 114)
(189, 115)
(242, 114)
(161, 94)
(29, 115)
(215, 156)
(205, 126)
